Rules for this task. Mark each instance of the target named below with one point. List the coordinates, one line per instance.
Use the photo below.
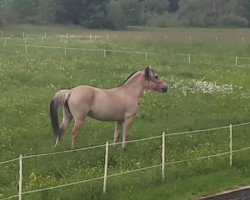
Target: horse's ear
(147, 71)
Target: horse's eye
(156, 76)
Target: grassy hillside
(207, 92)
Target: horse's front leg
(127, 125)
(118, 130)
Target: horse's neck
(135, 85)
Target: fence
(114, 35)
(25, 37)
(104, 52)
(105, 176)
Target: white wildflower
(201, 86)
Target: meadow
(206, 90)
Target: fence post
(20, 177)
(146, 56)
(5, 41)
(231, 143)
(26, 49)
(163, 156)
(236, 61)
(104, 53)
(189, 58)
(65, 51)
(106, 167)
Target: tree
(212, 13)
(46, 11)
(118, 14)
(89, 13)
(156, 6)
(95, 15)
(173, 5)
(34, 11)
(69, 11)
(192, 12)
(26, 10)
(133, 10)
(116, 18)
(246, 10)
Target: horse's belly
(108, 105)
(106, 116)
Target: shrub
(232, 20)
(7, 18)
(165, 20)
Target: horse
(119, 104)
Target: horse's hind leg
(118, 130)
(76, 131)
(67, 117)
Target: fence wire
(130, 171)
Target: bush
(7, 18)
(232, 20)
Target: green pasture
(207, 92)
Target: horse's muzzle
(164, 88)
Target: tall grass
(208, 92)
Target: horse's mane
(128, 78)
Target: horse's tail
(59, 99)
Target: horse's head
(154, 82)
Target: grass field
(207, 92)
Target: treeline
(119, 14)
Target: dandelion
(33, 177)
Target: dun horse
(119, 104)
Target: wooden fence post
(231, 143)
(106, 167)
(163, 156)
(20, 177)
